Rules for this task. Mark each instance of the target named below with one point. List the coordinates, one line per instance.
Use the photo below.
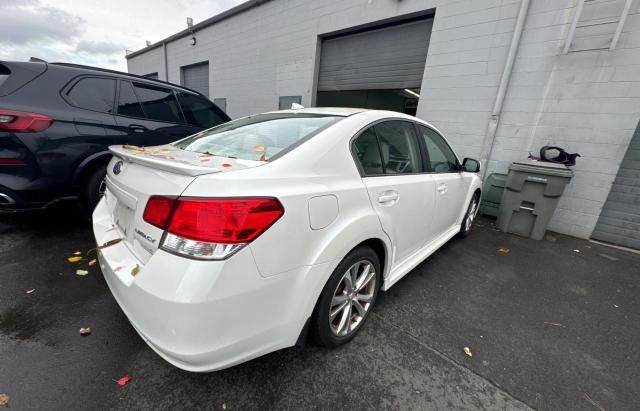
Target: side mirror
(471, 165)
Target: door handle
(442, 188)
(138, 128)
(388, 198)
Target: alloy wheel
(352, 298)
(471, 214)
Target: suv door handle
(138, 128)
(442, 188)
(388, 198)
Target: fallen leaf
(85, 331)
(30, 291)
(110, 243)
(118, 268)
(503, 250)
(77, 253)
(124, 380)
(92, 262)
(111, 229)
(587, 246)
(554, 324)
(135, 270)
(4, 399)
(227, 165)
(467, 351)
(74, 259)
(207, 154)
(576, 250)
(616, 305)
(263, 157)
(224, 406)
(260, 148)
(82, 272)
(608, 257)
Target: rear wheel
(347, 298)
(94, 187)
(469, 216)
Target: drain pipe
(489, 139)
(164, 56)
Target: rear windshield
(258, 137)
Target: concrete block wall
(586, 101)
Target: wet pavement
(549, 328)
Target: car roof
(329, 111)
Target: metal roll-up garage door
(196, 77)
(387, 58)
(619, 221)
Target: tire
(93, 188)
(469, 216)
(334, 332)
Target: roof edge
(203, 24)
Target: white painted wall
(587, 101)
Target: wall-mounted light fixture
(192, 40)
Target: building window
(221, 103)
(285, 102)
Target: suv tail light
(211, 228)
(21, 122)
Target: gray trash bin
(531, 194)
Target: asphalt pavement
(551, 325)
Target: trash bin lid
(541, 167)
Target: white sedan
(242, 239)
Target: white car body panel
(209, 315)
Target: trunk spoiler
(157, 160)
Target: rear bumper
(205, 315)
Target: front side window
(441, 157)
(158, 103)
(93, 93)
(257, 137)
(128, 104)
(199, 111)
(367, 152)
(399, 147)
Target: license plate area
(123, 218)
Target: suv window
(158, 103)
(200, 111)
(93, 93)
(399, 147)
(441, 157)
(128, 104)
(367, 151)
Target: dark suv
(57, 121)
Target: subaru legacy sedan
(250, 236)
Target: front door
(451, 184)
(401, 193)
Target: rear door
(400, 192)
(150, 115)
(451, 185)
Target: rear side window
(200, 111)
(367, 151)
(93, 93)
(441, 157)
(4, 74)
(158, 103)
(128, 104)
(258, 137)
(399, 147)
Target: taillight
(21, 122)
(211, 228)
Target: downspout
(164, 55)
(494, 120)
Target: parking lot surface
(551, 324)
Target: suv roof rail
(122, 73)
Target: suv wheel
(94, 187)
(347, 298)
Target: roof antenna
(36, 60)
(148, 43)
